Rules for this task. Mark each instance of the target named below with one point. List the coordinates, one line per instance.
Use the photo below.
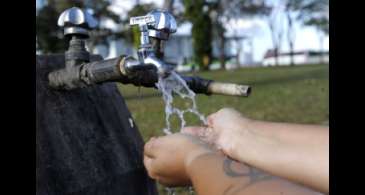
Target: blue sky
(306, 37)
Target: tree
(276, 30)
(316, 13)
(132, 32)
(291, 6)
(196, 12)
(224, 11)
(49, 34)
(310, 13)
(168, 5)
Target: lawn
(288, 94)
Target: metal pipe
(229, 89)
(114, 70)
(209, 87)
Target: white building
(179, 48)
(299, 58)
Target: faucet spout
(163, 69)
(150, 62)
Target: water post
(86, 139)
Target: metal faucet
(155, 28)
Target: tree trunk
(290, 38)
(239, 49)
(222, 54)
(86, 140)
(168, 5)
(291, 54)
(321, 37)
(274, 41)
(276, 56)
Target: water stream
(174, 84)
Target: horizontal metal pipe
(87, 74)
(113, 70)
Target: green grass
(288, 94)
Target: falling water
(174, 84)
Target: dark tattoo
(253, 174)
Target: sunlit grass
(288, 94)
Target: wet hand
(226, 129)
(167, 158)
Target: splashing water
(175, 84)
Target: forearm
(213, 174)
(295, 152)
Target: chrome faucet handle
(76, 22)
(164, 25)
(142, 22)
(157, 23)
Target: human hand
(167, 158)
(226, 129)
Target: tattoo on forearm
(253, 175)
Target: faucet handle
(159, 24)
(164, 21)
(164, 25)
(76, 22)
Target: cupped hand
(167, 158)
(226, 128)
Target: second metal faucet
(155, 28)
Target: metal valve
(76, 22)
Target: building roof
(271, 53)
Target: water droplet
(131, 122)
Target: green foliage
(314, 13)
(48, 31)
(201, 31)
(321, 24)
(202, 38)
(227, 10)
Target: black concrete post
(87, 142)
